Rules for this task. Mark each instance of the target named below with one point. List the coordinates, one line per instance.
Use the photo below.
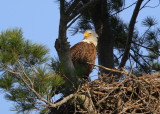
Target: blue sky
(39, 20)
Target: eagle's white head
(90, 37)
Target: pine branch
(74, 20)
(50, 104)
(138, 63)
(140, 56)
(72, 6)
(130, 34)
(22, 68)
(142, 45)
(81, 9)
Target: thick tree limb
(63, 49)
(130, 34)
(100, 16)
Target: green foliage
(25, 99)
(149, 21)
(34, 53)
(25, 64)
(7, 81)
(11, 43)
(57, 66)
(13, 47)
(45, 81)
(120, 32)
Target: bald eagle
(84, 53)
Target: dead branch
(114, 70)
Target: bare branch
(124, 8)
(154, 6)
(150, 6)
(65, 99)
(138, 62)
(145, 4)
(150, 48)
(140, 56)
(73, 20)
(114, 70)
(130, 34)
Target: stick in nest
(115, 70)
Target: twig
(154, 6)
(99, 93)
(91, 103)
(145, 4)
(9, 70)
(150, 48)
(114, 70)
(25, 73)
(138, 62)
(124, 8)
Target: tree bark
(100, 17)
(63, 50)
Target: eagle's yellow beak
(86, 34)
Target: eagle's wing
(83, 53)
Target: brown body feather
(83, 53)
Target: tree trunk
(100, 17)
(63, 50)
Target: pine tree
(26, 76)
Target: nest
(131, 95)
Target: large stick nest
(131, 95)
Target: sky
(39, 20)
